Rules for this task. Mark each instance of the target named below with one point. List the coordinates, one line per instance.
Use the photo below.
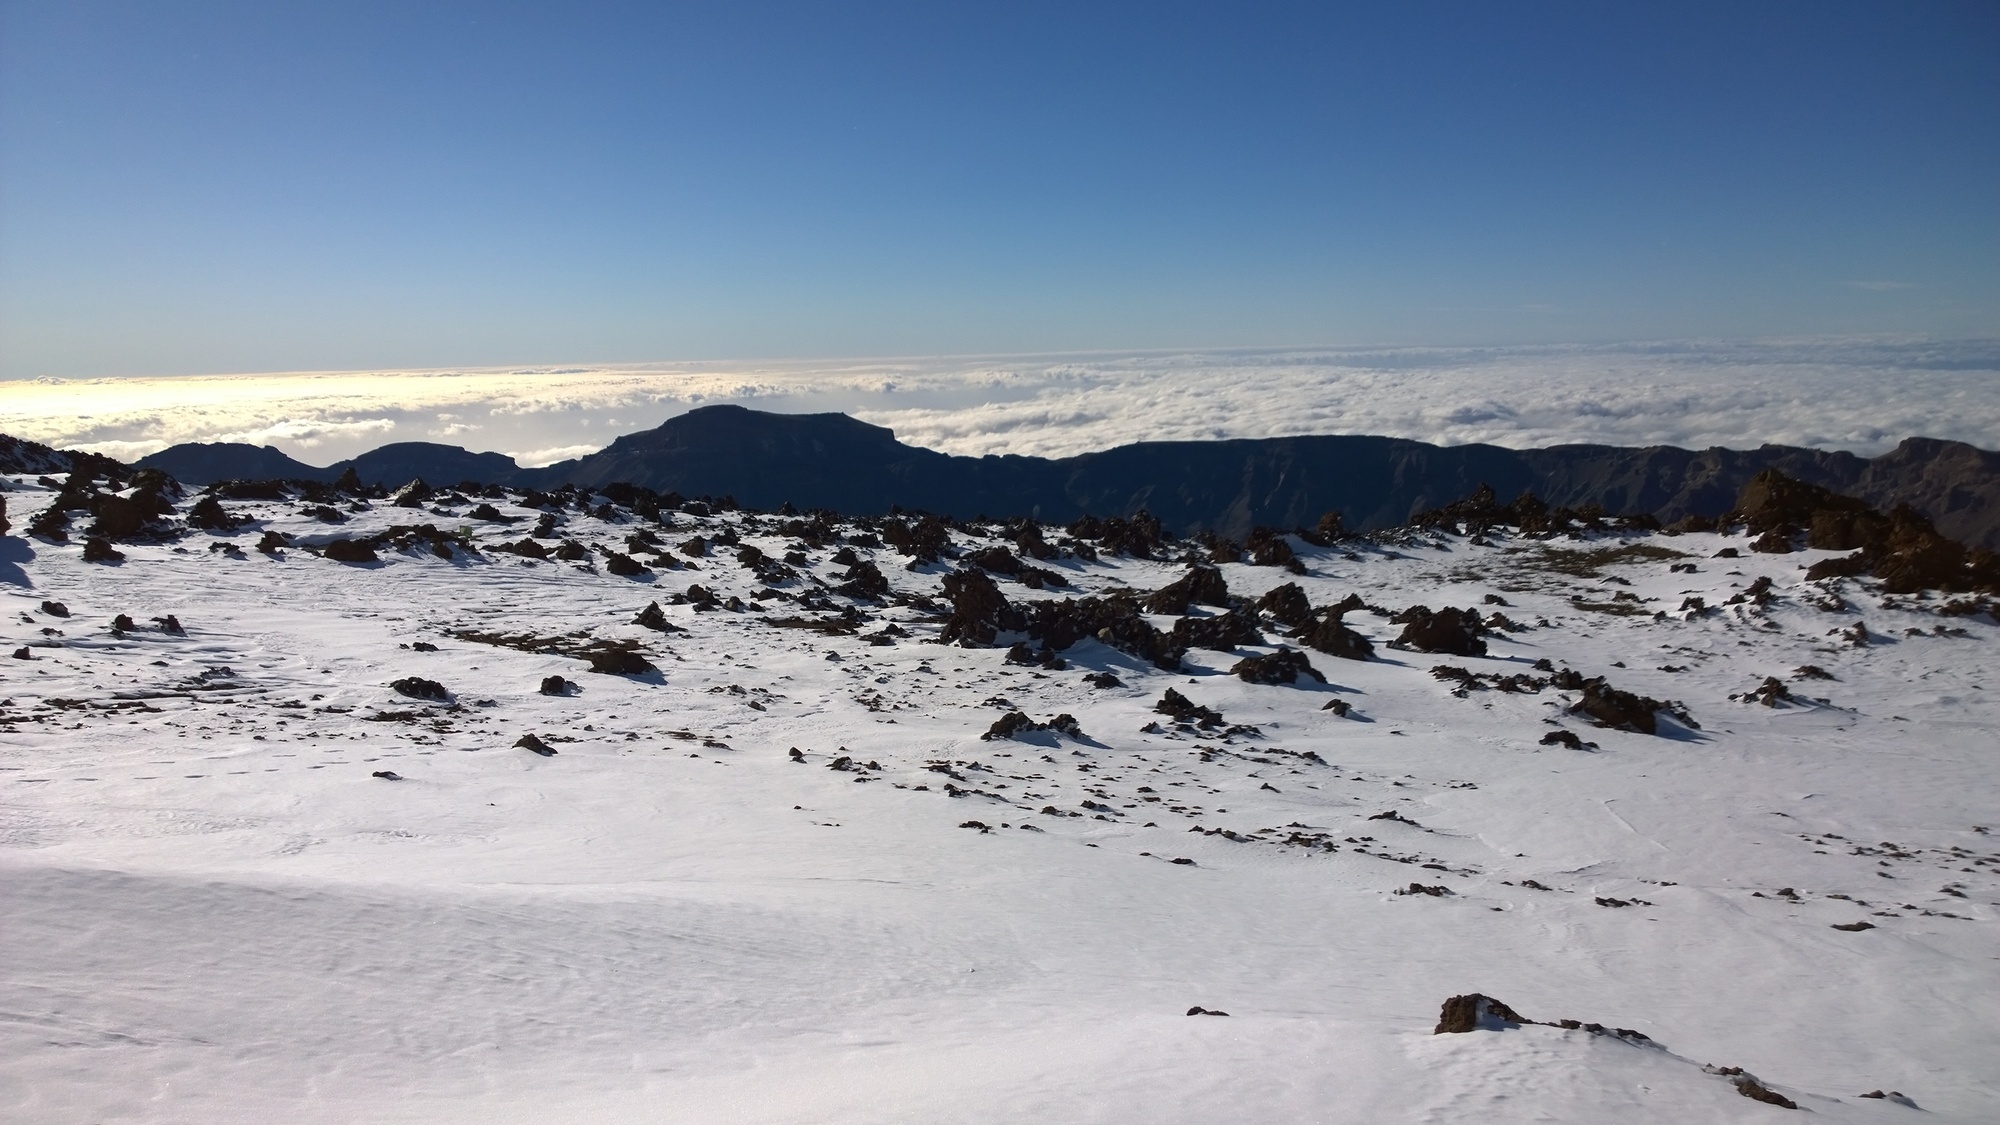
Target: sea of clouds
(1859, 395)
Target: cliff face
(1956, 485)
(833, 461)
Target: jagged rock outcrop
(1326, 632)
(1201, 585)
(1282, 667)
(1454, 631)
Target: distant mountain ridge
(837, 462)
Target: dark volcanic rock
(998, 560)
(349, 551)
(556, 685)
(531, 742)
(653, 617)
(925, 539)
(1186, 710)
(1454, 631)
(51, 523)
(208, 515)
(1756, 1091)
(1267, 547)
(1139, 536)
(1470, 1012)
(1015, 723)
(1609, 707)
(119, 517)
(625, 566)
(1114, 621)
(1282, 667)
(864, 580)
(100, 550)
(977, 608)
(619, 662)
(1327, 633)
(1201, 585)
(416, 687)
(1772, 503)
(1030, 542)
(1287, 605)
(1221, 633)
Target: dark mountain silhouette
(199, 462)
(406, 461)
(833, 461)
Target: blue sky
(195, 187)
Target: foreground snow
(216, 912)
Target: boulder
(416, 687)
(1201, 585)
(1287, 605)
(625, 566)
(1185, 710)
(1454, 631)
(1282, 667)
(977, 606)
(1268, 547)
(1222, 633)
(349, 551)
(1328, 634)
(99, 550)
(864, 580)
(1622, 710)
(1473, 1011)
(619, 662)
(209, 515)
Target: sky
(211, 187)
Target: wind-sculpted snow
(1857, 395)
(469, 820)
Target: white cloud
(539, 457)
(1882, 286)
(1862, 395)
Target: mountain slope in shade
(836, 462)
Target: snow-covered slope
(218, 909)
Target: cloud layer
(1859, 395)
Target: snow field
(216, 913)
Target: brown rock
(1470, 1012)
